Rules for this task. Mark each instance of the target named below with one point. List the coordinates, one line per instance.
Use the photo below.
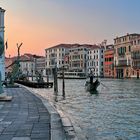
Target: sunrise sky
(40, 24)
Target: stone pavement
(24, 118)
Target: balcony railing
(123, 63)
(136, 64)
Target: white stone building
(2, 57)
(96, 60)
(55, 56)
(27, 64)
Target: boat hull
(92, 86)
(72, 77)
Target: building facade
(55, 57)
(78, 58)
(109, 61)
(27, 64)
(40, 65)
(95, 61)
(123, 55)
(135, 54)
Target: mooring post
(63, 83)
(55, 80)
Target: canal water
(111, 114)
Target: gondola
(92, 86)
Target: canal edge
(61, 126)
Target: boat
(35, 84)
(92, 86)
(72, 75)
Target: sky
(40, 24)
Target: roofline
(133, 34)
(73, 46)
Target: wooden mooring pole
(55, 80)
(63, 83)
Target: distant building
(55, 56)
(95, 61)
(78, 58)
(109, 61)
(135, 54)
(27, 64)
(124, 48)
(40, 65)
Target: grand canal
(111, 114)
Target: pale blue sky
(70, 21)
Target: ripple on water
(113, 114)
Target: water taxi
(72, 75)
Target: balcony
(135, 55)
(122, 63)
(136, 64)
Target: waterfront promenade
(26, 118)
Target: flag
(6, 45)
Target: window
(102, 63)
(129, 48)
(97, 63)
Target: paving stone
(24, 118)
(41, 135)
(6, 137)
